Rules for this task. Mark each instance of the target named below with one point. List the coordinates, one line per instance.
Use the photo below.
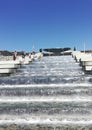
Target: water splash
(52, 90)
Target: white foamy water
(52, 90)
(45, 99)
(46, 122)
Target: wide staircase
(52, 93)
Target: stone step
(60, 90)
(47, 108)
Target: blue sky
(45, 24)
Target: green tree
(74, 49)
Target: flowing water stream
(52, 93)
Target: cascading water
(52, 93)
